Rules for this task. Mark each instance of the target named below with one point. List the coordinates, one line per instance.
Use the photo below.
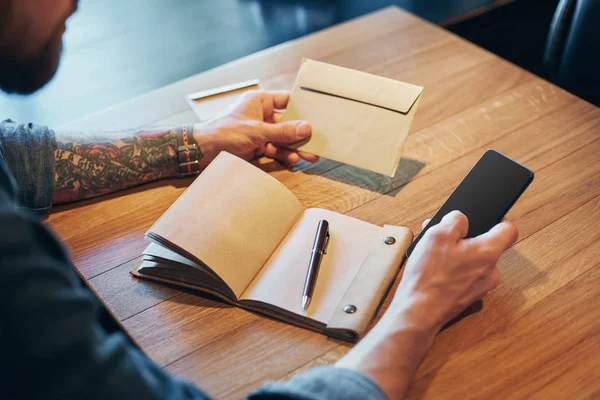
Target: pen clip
(326, 244)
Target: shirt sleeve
(52, 343)
(322, 383)
(28, 151)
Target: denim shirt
(28, 150)
(54, 341)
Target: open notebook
(241, 235)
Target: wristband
(188, 152)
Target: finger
(425, 223)
(456, 223)
(266, 101)
(501, 236)
(280, 154)
(272, 100)
(308, 157)
(252, 95)
(285, 132)
(493, 279)
(280, 98)
(259, 151)
(488, 281)
(277, 117)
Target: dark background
(116, 50)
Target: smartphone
(485, 195)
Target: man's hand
(253, 128)
(88, 165)
(444, 274)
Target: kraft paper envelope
(213, 102)
(357, 118)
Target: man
(52, 341)
(66, 166)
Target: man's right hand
(446, 272)
(444, 275)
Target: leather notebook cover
(357, 118)
(249, 242)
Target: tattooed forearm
(88, 166)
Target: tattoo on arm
(88, 166)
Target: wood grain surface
(537, 335)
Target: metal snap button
(389, 240)
(350, 309)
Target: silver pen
(316, 255)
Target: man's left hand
(253, 128)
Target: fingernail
(303, 129)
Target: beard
(25, 76)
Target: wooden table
(538, 332)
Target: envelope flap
(358, 86)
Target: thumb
(501, 236)
(286, 132)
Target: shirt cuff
(322, 383)
(28, 151)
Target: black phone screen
(485, 195)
